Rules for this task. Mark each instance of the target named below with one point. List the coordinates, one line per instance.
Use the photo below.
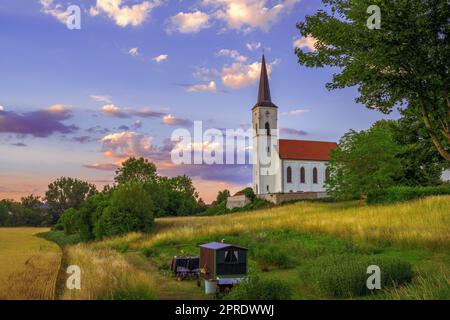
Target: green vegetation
(297, 251)
(346, 275)
(60, 237)
(407, 63)
(220, 205)
(66, 193)
(256, 288)
(28, 212)
(400, 194)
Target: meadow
(289, 243)
(29, 265)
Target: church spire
(264, 98)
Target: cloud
(55, 10)
(252, 46)
(234, 54)
(137, 124)
(113, 111)
(295, 112)
(134, 52)
(307, 43)
(100, 98)
(40, 123)
(211, 86)
(239, 75)
(293, 132)
(160, 58)
(83, 139)
(124, 15)
(2, 108)
(147, 113)
(122, 145)
(19, 144)
(102, 166)
(205, 74)
(189, 22)
(173, 121)
(98, 129)
(248, 14)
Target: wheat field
(28, 265)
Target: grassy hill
(288, 243)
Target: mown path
(168, 287)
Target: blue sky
(76, 102)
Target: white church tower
(266, 174)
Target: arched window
(302, 175)
(267, 126)
(327, 173)
(315, 175)
(289, 175)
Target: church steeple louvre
(264, 98)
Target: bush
(346, 275)
(68, 221)
(255, 288)
(400, 194)
(130, 209)
(274, 256)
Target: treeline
(131, 204)
(137, 196)
(30, 211)
(392, 153)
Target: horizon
(78, 102)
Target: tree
(222, 196)
(130, 209)
(364, 161)
(65, 193)
(140, 170)
(69, 221)
(405, 62)
(90, 213)
(422, 164)
(182, 196)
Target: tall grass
(424, 222)
(105, 274)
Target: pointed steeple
(264, 98)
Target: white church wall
(295, 185)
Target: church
(283, 169)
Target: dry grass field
(28, 265)
(126, 267)
(421, 223)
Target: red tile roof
(306, 150)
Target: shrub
(274, 256)
(255, 288)
(399, 194)
(130, 209)
(68, 221)
(346, 275)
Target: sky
(77, 102)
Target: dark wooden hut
(222, 261)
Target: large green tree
(364, 161)
(130, 209)
(405, 62)
(65, 193)
(140, 170)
